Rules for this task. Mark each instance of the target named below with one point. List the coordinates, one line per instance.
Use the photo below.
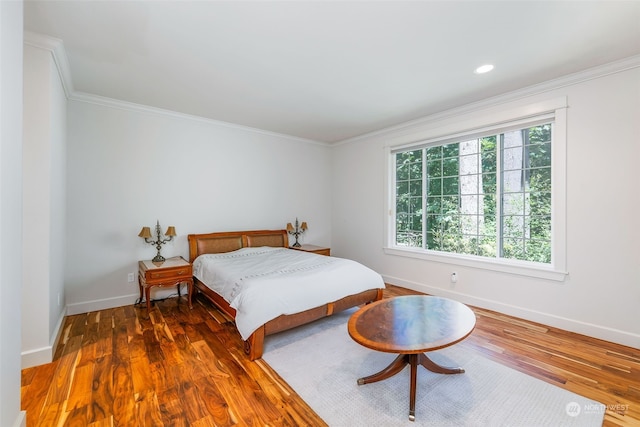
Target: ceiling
(327, 70)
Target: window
(483, 195)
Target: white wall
(43, 205)
(128, 167)
(10, 210)
(58, 202)
(601, 296)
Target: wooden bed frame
(230, 241)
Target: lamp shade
(304, 226)
(171, 231)
(145, 233)
(289, 227)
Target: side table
(320, 250)
(171, 272)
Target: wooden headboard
(227, 241)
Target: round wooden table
(410, 326)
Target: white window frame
(475, 123)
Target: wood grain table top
(411, 324)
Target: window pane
(402, 206)
(408, 209)
(415, 170)
(513, 204)
(512, 159)
(409, 239)
(469, 204)
(415, 188)
(450, 186)
(487, 247)
(434, 153)
(402, 187)
(512, 181)
(468, 245)
(540, 155)
(434, 205)
(432, 242)
(488, 197)
(537, 251)
(402, 172)
(540, 133)
(450, 203)
(450, 150)
(489, 144)
(433, 223)
(469, 224)
(416, 223)
(513, 226)
(541, 179)
(434, 168)
(469, 184)
(488, 229)
(512, 139)
(408, 157)
(450, 167)
(539, 227)
(435, 187)
(450, 242)
(488, 206)
(540, 203)
(434, 232)
(488, 154)
(513, 248)
(415, 205)
(489, 183)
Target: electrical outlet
(58, 299)
(454, 277)
(130, 277)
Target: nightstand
(171, 272)
(320, 250)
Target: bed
(215, 247)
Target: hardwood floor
(181, 367)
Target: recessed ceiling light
(484, 69)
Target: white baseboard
(40, 356)
(106, 303)
(101, 304)
(57, 331)
(21, 420)
(35, 357)
(596, 331)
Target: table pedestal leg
(413, 359)
(434, 367)
(398, 365)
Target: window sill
(527, 269)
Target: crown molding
(131, 106)
(568, 80)
(56, 47)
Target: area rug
(322, 364)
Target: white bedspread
(263, 283)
